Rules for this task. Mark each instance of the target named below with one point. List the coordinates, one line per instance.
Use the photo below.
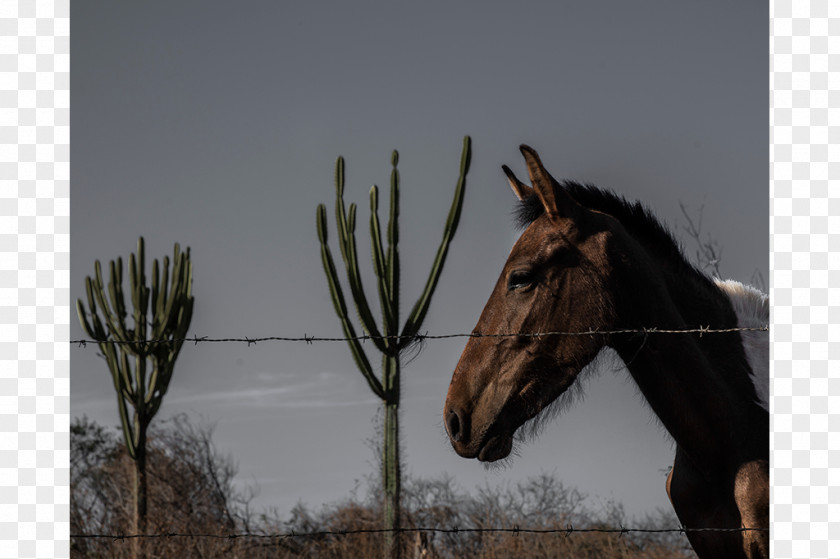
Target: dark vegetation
(192, 491)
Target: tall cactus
(389, 339)
(153, 345)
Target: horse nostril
(453, 425)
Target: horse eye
(520, 279)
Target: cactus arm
(183, 321)
(134, 285)
(111, 353)
(155, 284)
(109, 312)
(189, 273)
(339, 176)
(179, 261)
(329, 266)
(392, 263)
(159, 382)
(160, 377)
(86, 326)
(154, 382)
(165, 354)
(125, 422)
(141, 264)
(347, 242)
(178, 278)
(110, 304)
(355, 281)
(421, 307)
(117, 314)
(341, 226)
(98, 332)
(155, 292)
(378, 255)
(119, 297)
(170, 351)
(340, 213)
(359, 355)
(140, 379)
(124, 376)
(98, 290)
(136, 279)
(93, 327)
(161, 299)
(111, 357)
(159, 296)
(121, 375)
(341, 308)
(181, 280)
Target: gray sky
(217, 125)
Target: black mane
(635, 217)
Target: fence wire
(567, 531)
(701, 330)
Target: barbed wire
(702, 330)
(568, 530)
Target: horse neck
(697, 386)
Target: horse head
(556, 279)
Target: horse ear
(522, 190)
(555, 200)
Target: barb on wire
(701, 330)
(568, 530)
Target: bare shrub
(453, 516)
(191, 492)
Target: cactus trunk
(391, 458)
(140, 491)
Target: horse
(590, 271)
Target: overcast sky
(217, 124)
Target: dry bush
(191, 491)
(542, 503)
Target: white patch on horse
(752, 307)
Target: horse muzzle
(489, 446)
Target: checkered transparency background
(805, 259)
(34, 277)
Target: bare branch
(708, 253)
